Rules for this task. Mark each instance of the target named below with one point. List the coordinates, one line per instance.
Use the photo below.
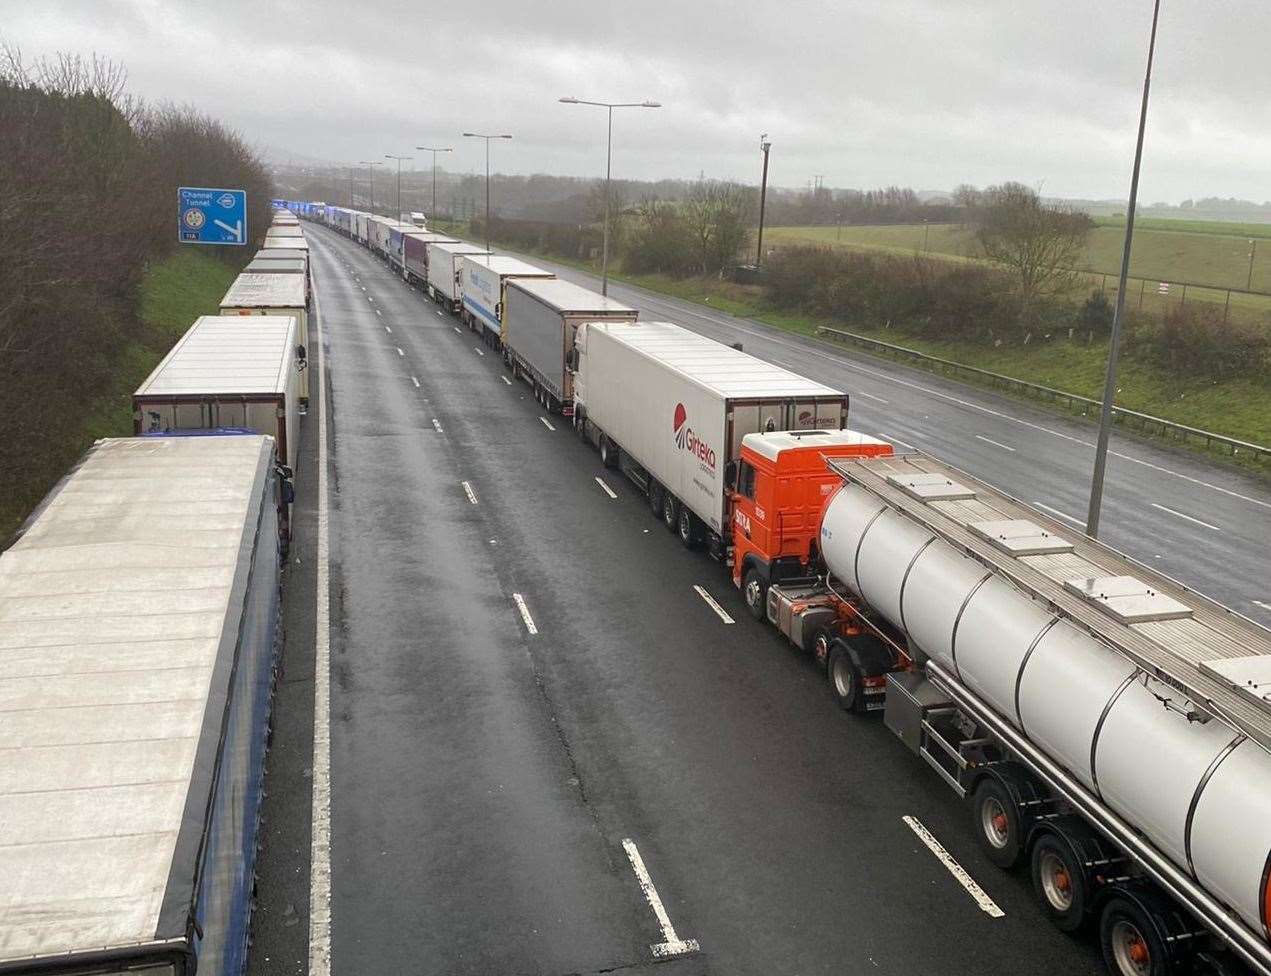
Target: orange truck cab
(781, 487)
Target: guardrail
(1129, 418)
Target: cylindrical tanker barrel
(1197, 789)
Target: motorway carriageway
(548, 739)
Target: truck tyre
(1131, 941)
(995, 818)
(670, 511)
(688, 528)
(845, 678)
(754, 590)
(1059, 881)
(820, 649)
(608, 452)
(655, 498)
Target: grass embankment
(1238, 408)
(1207, 253)
(175, 291)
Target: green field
(1204, 252)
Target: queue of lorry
(1106, 726)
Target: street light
(610, 106)
(370, 169)
(487, 138)
(400, 160)
(1110, 382)
(433, 212)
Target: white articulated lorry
(443, 270)
(415, 253)
(274, 295)
(678, 404)
(540, 318)
(1105, 724)
(483, 279)
(139, 626)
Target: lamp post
(487, 138)
(350, 187)
(400, 160)
(433, 212)
(1110, 383)
(370, 171)
(609, 106)
(764, 147)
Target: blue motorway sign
(206, 216)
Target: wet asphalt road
(485, 777)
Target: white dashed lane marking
(607, 490)
(987, 440)
(1190, 518)
(547, 423)
(987, 905)
(713, 604)
(467, 490)
(1063, 515)
(671, 944)
(525, 613)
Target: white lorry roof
(252, 290)
(227, 354)
(458, 247)
(728, 372)
(284, 230)
(565, 296)
(769, 445)
(503, 264)
(113, 612)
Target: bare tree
(718, 215)
(1040, 244)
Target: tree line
(88, 180)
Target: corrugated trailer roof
(728, 372)
(280, 254)
(286, 243)
(503, 264)
(284, 230)
(565, 296)
(1220, 659)
(275, 266)
(116, 610)
(265, 291)
(227, 354)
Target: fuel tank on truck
(1147, 692)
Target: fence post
(1183, 301)
(1227, 307)
(1142, 287)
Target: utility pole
(400, 160)
(487, 138)
(433, 212)
(1110, 384)
(1253, 249)
(350, 187)
(764, 147)
(610, 106)
(370, 170)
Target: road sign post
(211, 216)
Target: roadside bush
(1194, 339)
(1096, 313)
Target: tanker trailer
(1104, 723)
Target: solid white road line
(547, 423)
(477, 351)
(505, 379)
(671, 944)
(870, 396)
(981, 437)
(987, 904)
(415, 380)
(525, 613)
(713, 604)
(608, 491)
(320, 843)
(1063, 515)
(1188, 517)
(399, 351)
(436, 425)
(467, 490)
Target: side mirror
(730, 475)
(288, 493)
(300, 353)
(571, 360)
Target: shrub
(1096, 313)
(1197, 339)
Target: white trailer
(230, 372)
(443, 271)
(539, 320)
(273, 294)
(415, 253)
(1104, 723)
(483, 279)
(139, 614)
(284, 230)
(361, 225)
(678, 404)
(380, 230)
(287, 244)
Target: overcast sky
(923, 93)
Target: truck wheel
(687, 528)
(655, 498)
(1131, 943)
(755, 592)
(1059, 881)
(996, 821)
(845, 678)
(608, 452)
(820, 649)
(670, 511)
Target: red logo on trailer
(686, 440)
